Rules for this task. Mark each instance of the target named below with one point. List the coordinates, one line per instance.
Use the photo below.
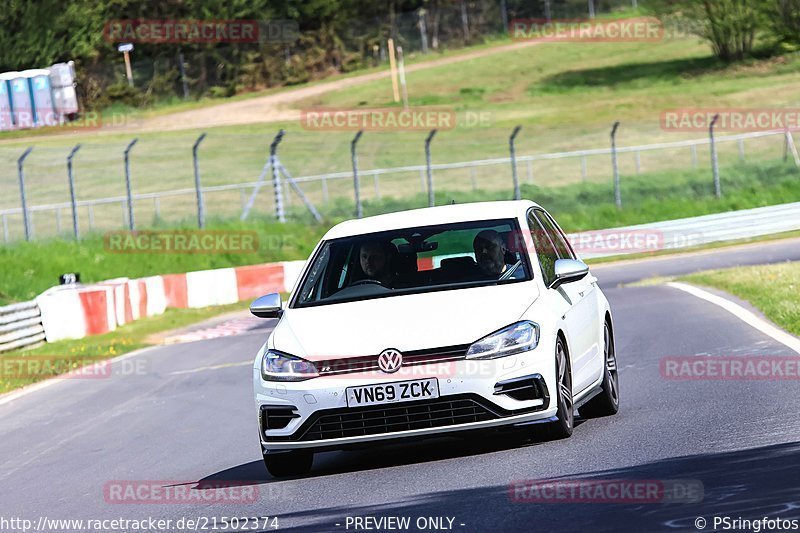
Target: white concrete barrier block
(62, 314)
(291, 273)
(211, 287)
(156, 297)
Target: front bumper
(473, 395)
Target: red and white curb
(229, 328)
(77, 311)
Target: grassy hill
(565, 95)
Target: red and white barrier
(74, 312)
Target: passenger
(490, 254)
(375, 258)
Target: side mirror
(569, 270)
(268, 306)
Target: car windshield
(411, 260)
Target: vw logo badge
(390, 361)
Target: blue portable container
(7, 122)
(41, 97)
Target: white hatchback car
(433, 321)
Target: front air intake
(277, 416)
(524, 389)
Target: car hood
(407, 322)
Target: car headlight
(516, 338)
(277, 366)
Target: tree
(731, 26)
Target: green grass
(565, 95)
(773, 289)
(30, 268)
(62, 356)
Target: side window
(545, 251)
(556, 236)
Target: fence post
(615, 166)
(25, 220)
(741, 150)
(300, 193)
(423, 30)
(517, 194)
(356, 182)
(276, 178)
(789, 146)
(201, 216)
(128, 184)
(72, 192)
(714, 158)
(428, 140)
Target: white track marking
(742, 314)
(215, 367)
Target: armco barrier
(20, 326)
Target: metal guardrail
(705, 229)
(20, 326)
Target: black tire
(607, 402)
(287, 464)
(562, 427)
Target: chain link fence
(314, 171)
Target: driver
(490, 254)
(375, 258)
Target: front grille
(380, 419)
(369, 363)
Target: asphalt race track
(186, 418)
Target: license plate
(401, 391)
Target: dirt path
(277, 107)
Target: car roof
(430, 216)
